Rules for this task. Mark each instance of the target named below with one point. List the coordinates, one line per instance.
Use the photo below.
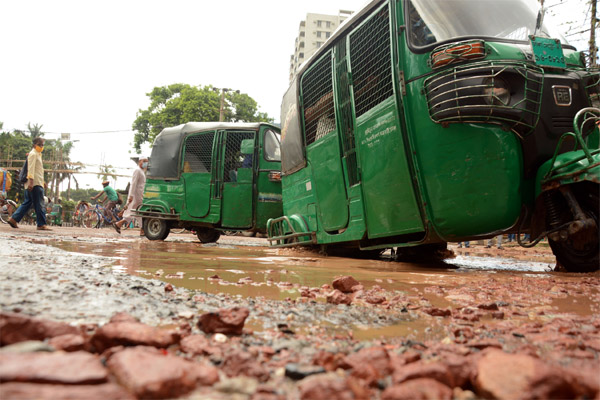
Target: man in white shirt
(135, 196)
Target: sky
(84, 67)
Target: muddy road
(486, 323)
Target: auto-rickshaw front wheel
(208, 235)
(580, 252)
(155, 228)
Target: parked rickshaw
(55, 216)
(212, 176)
(421, 122)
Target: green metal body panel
(328, 183)
(390, 204)
(197, 193)
(162, 195)
(237, 201)
(268, 200)
(299, 198)
(572, 167)
(470, 178)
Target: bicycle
(80, 209)
(7, 208)
(96, 217)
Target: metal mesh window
(317, 94)
(234, 158)
(370, 57)
(198, 153)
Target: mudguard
(568, 168)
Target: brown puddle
(252, 271)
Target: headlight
(496, 91)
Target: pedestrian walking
(467, 244)
(135, 196)
(490, 242)
(34, 188)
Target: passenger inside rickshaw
(243, 160)
(192, 163)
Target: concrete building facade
(313, 32)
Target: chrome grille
(467, 94)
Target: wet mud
(480, 299)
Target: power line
(73, 133)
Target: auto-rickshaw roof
(164, 160)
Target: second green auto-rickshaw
(212, 176)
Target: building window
(319, 44)
(319, 23)
(327, 35)
(318, 34)
(301, 45)
(302, 34)
(301, 56)
(328, 24)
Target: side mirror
(247, 146)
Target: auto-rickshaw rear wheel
(208, 235)
(580, 252)
(155, 228)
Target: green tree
(59, 153)
(35, 130)
(107, 170)
(180, 103)
(78, 195)
(14, 146)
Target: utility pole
(222, 105)
(593, 47)
(221, 111)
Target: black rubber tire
(155, 228)
(352, 252)
(425, 253)
(572, 254)
(7, 210)
(207, 235)
(90, 219)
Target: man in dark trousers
(34, 193)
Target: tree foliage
(78, 195)
(35, 130)
(180, 103)
(14, 146)
(107, 171)
(17, 144)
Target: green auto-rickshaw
(422, 122)
(210, 177)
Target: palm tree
(107, 170)
(35, 130)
